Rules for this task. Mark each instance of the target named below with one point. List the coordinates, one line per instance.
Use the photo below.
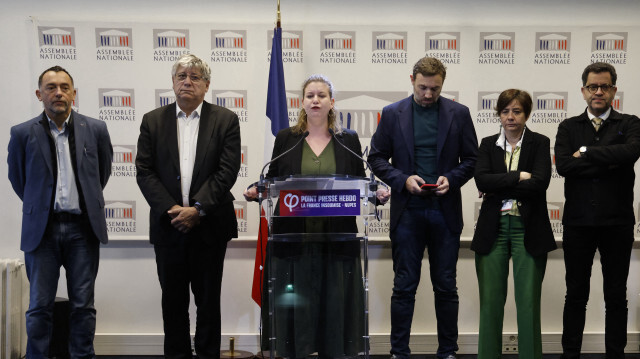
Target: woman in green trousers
(512, 174)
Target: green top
(323, 164)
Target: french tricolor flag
(277, 119)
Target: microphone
(261, 183)
(348, 149)
(373, 186)
(304, 135)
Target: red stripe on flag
(261, 251)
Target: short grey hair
(191, 61)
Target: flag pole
(278, 19)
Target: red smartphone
(428, 186)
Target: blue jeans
(72, 245)
(419, 228)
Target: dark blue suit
(439, 230)
(31, 173)
(50, 241)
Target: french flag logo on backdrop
(120, 209)
(609, 41)
(497, 41)
(553, 41)
(617, 101)
(164, 97)
(116, 98)
(57, 36)
(124, 154)
(443, 41)
(177, 39)
(338, 40)
(113, 38)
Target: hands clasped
(184, 218)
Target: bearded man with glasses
(596, 152)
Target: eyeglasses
(182, 77)
(594, 88)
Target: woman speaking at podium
(319, 291)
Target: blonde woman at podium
(320, 293)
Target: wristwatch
(583, 151)
(198, 207)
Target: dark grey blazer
(215, 171)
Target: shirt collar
(194, 114)
(604, 116)
(53, 126)
(500, 142)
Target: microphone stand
(373, 185)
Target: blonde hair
(301, 126)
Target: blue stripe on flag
(276, 93)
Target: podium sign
(310, 203)
(317, 265)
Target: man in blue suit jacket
(59, 163)
(430, 140)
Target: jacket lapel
(80, 134)
(498, 155)
(39, 128)
(445, 117)
(295, 156)
(405, 116)
(525, 150)
(205, 136)
(170, 136)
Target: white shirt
(188, 128)
(502, 142)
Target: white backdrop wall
(367, 48)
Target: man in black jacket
(596, 152)
(188, 160)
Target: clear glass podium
(316, 269)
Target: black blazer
(598, 188)
(492, 178)
(215, 171)
(290, 164)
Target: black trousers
(193, 263)
(580, 244)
